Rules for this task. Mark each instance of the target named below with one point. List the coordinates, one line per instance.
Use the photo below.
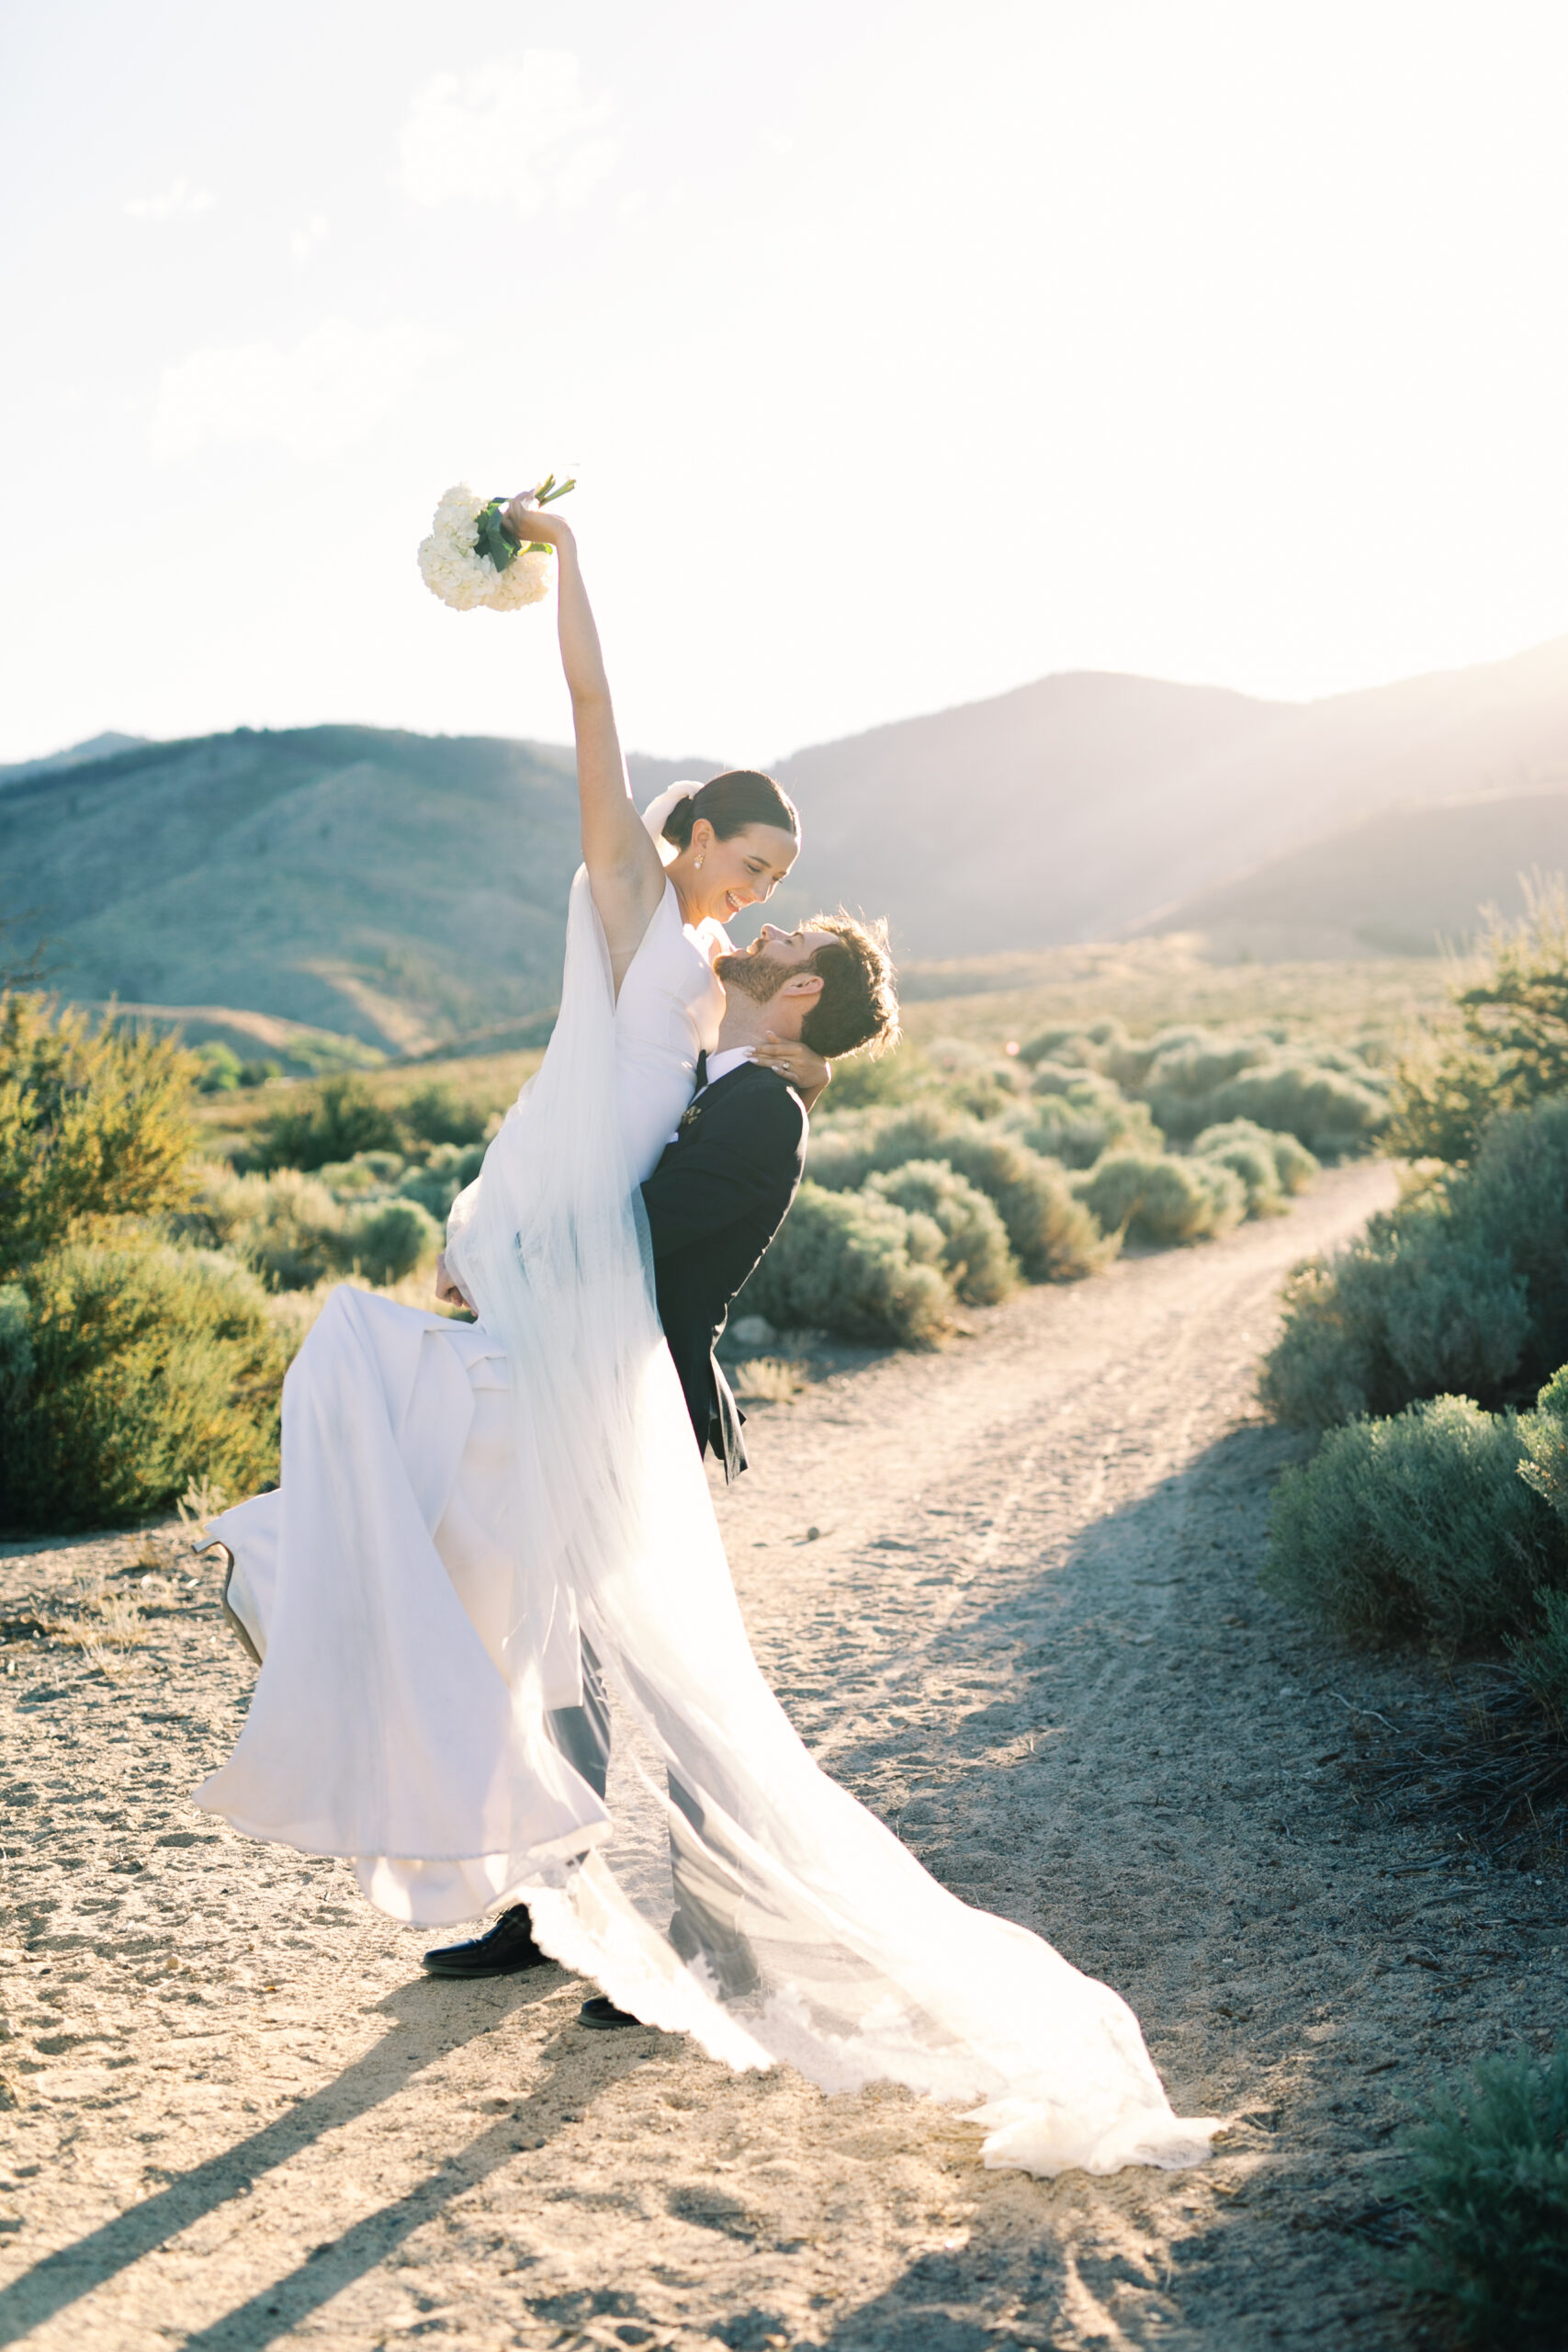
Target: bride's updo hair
(730, 802)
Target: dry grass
(1480, 1755)
(1157, 983)
(226, 1122)
(769, 1380)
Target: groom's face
(774, 957)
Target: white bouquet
(474, 556)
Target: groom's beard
(758, 975)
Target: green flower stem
(494, 535)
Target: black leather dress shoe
(602, 2013)
(504, 1949)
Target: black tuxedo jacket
(714, 1202)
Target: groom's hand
(447, 1291)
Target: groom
(714, 1204)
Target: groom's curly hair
(859, 1005)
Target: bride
(469, 1510)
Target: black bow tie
(702, 1074)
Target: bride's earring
(698, 867)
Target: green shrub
(1294, 1166)
(330, 1120)
(439, 1115)
(975, 1252)
(136, 1367)
(860, 1080)
(94, 1127)
(1069, 1043)
(1333, 1112)
(1154, 1198)
(1545, 1435)
(1463, 1288)
(386, 1242)
(1051, 1234)
(1254, 1164)
(220, 1067)
(368, 1175)
(1400, 1313)
(294, 1232)
(1188, 1072)
(444, 1174)
(979, 1084)
(1506, 1045)
(854, 1264)
(1077, 1116)
(1541, 1658)
(285, 1226)
(1419, 1527)
(1489, 2182)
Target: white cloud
(303, 242)
(521, 131)
(181, 198)
(314, 398)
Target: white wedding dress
(464, 1507)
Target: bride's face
(742, 872)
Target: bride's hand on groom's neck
(794, 1060)
(447, 1291)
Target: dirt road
(1027, 1631)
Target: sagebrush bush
(1399, 1314)
(1335, 1115)
(851, 1263)
(1540, 1658)
(1051, 1234)
(368, 1175)
(1294, 1166)
(1463, 1287)
(975, 1253)
(285, 1226)
(1254, 1164)
(1488, 2179)
(443, 1175)
(1155, 1198)
(1505, 1046)
(439, 1115)
(330, 1120)
(93, 1126)
(1188, 1072)
(387, 1241)
(134, 1367)
(1077, 1115)
(862, 1081)
(1069, 1043)
(1417, 1528)
(980, 1084)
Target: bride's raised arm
(625, 870)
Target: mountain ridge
(404, 888)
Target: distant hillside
(397, 887)
(411, 890)
(1075, 808)
(1394, 885)
(97, 747)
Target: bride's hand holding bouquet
(493, 552)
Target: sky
(906, 351)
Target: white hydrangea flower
(452, 568)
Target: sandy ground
(1028, 1633)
